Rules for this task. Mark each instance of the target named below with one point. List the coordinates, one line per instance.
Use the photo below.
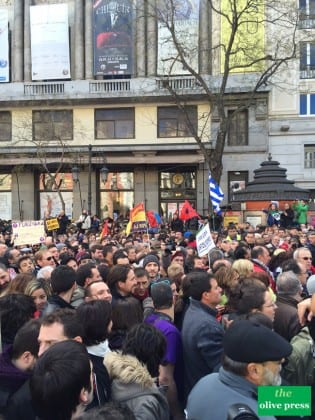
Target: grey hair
(238, 368)
(288, 284)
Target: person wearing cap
(202, 334)
(171, 368)
(151, 264)
(253, 355)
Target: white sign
(184, 16)
(5, 206)
(50, 42)
(204, 241)
(4, 46)
(29, 232)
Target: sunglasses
(49, 258)
(307, 258)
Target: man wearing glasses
(43, 258)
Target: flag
(105, 230)
(152, 219)
(216, 194)
(188, 212)
(137, 220)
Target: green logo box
(284, 401)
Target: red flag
(152, 219)
(188, 212)
(105, 230)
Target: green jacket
(300, 369)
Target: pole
(89, 199)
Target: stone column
(140, 38)
(78, 44)
(27, 42)
(89, 48)
(151, 38)
(17, 42)
(205, 29)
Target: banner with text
(113, 39)
(29, 232)
(204, 241)
(50, 42)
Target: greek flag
(216, 194)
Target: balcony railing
(306, 21)
(35, 89)
(176, 83)
(109, 86)
(307, 72)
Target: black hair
(118, 273)
(26, 339)
(247, 295)
(66, 317)
(62, 279)
(95, 317)
(109, 411)
(83, 272)
(104, 271)
(15, 311)
(58, 378)
(199, 283)
(120, 253)
(147, 344)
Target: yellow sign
(248, 45)
(231, 219)
(52, 224)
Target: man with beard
(253, 355)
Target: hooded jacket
(133, 386)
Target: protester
(253, 355)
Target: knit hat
(248, 342)
(150, 258)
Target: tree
(251, 41)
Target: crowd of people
(142, 327)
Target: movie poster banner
(50, 42)
(183, 15)
(4, 46)
(113, 38)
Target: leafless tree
(252, 40)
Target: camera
(241, 412)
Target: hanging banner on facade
(113, 40)
(50, 42)
(183, 16)
(4, 46)
(29, 232)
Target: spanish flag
(137, 220)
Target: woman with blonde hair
(39, 290)
(244, 267)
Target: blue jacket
(215, 394)
(202, 337)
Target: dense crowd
(97, 326)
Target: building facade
(83, 84)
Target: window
(5, 126)
(117, 195)
(306, 14)
(52, 125)
(238, 128)
(115, 123)
(307, 60)
(309, 156)
(307, 104)
(174, 122)
(49, 197)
